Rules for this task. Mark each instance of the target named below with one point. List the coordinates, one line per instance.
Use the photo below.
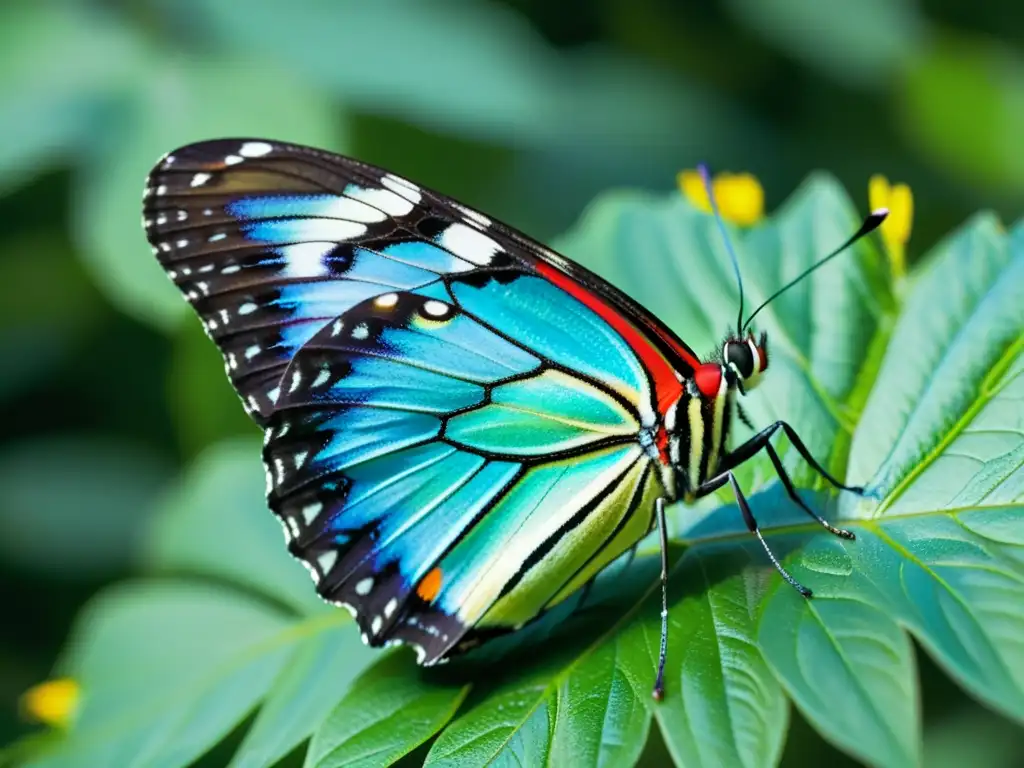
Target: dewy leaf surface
(922, 399)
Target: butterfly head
(745, 359)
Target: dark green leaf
(320, 671)
(389, 711)
(215, 522)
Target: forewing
(270, 242)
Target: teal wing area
(449, 459)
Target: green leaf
(166, 671)
(49, 106)
(591, 713)
(176, 101)
(919, 398)
(944, 432)
(215, 522)
(388, 712)
(319, 672)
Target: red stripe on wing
(667, 387)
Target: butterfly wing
(271, 241)
(458, 420)
(457, 460)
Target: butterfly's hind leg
(762, 441)
(791, 491)
(659, 681)
(712, 485)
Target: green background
(525, 109)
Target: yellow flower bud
(897, 227)
(54, 702)
(740, 196)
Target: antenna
(706, 178)
(869, 225)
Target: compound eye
(738, 355)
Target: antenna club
(879, 213)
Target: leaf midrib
(984, 396)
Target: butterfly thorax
(697, 424)
(697, 429)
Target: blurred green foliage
(523, 108)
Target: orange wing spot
(430, 586)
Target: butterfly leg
(761, 439)
(712, 485)
(791, 491)
(659, 682)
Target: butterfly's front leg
(762, 441)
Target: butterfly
(462, 428)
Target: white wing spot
(390, 608)
(272, 396)
(469, 244)
(296, 380)
(326, 560)
(161, 219)
(364, 586)
(232, 160)
(255, 149)
(252, 351)
(293, 527)
(337, 327)
(435, 308)
(181, 243)
(165, 247)
(230, 269)
(375, 625)
(247, 309)
(199, 179)
(182, 215)
(162, 189)
(300, 458)
(310, 512)
(360, 332)
(322, 377)
(214, 238)
(306, 259)
(386, 300)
